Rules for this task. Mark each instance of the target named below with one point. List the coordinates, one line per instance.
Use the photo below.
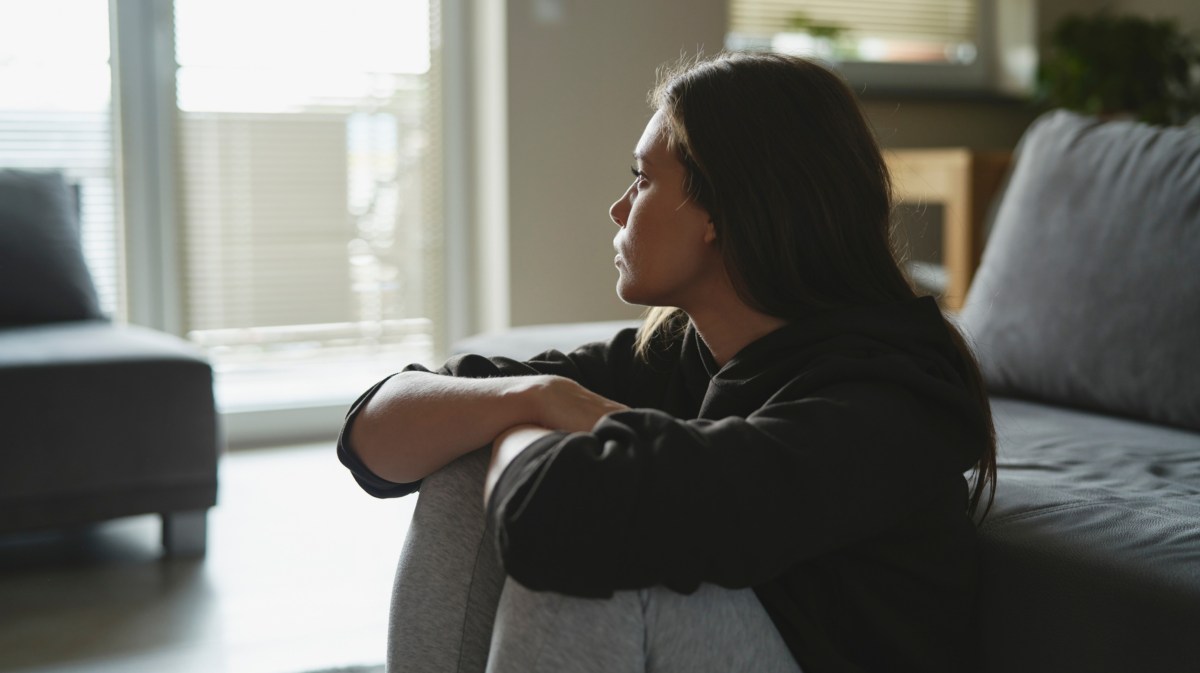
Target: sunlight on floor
(297, 577)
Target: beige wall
(578, 72)
(978, 124)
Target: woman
(767, 475)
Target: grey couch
(97, 420)
(1085, 314)
(1086, 317)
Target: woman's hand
(563, 404)
(560, 404)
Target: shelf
(963, 181)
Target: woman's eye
(637, 175)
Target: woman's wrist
(507, 446)
(526, 395)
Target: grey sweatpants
(454, 609)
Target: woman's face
(666, 245)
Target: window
(55, 114)
(276, 193)
(922, 44)
(312, 247)
(929, 31)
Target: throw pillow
(1089, 290)
(43, 277)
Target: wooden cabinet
(963, 181)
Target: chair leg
(184, 534)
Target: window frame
(146, 183)
(143, 93)
(1004, 40)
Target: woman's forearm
(417, 422)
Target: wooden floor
(297, 577)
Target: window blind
(935, 22)
(311, 226)
(55, 115)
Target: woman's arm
(646, 498)
(417, 421)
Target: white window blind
(870, 30)
(55, 115)
(308, 161)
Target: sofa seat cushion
(1091, 553)
(93, 342)
(91, 409)
(1082, 452)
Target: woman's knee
(547, 631)
(449, 577)
(712, 629)
(655, 630)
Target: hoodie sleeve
(597, 366)
(650, 499)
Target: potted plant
(1110, 65)
(807, 37)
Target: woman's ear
(710, 232)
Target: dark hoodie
(822, 466)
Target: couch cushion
(43, 277)
(102, 420)
(1091, 553)
(1088, 294)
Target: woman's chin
(628, 294)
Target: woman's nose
(619, 210)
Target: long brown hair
(779, 153)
